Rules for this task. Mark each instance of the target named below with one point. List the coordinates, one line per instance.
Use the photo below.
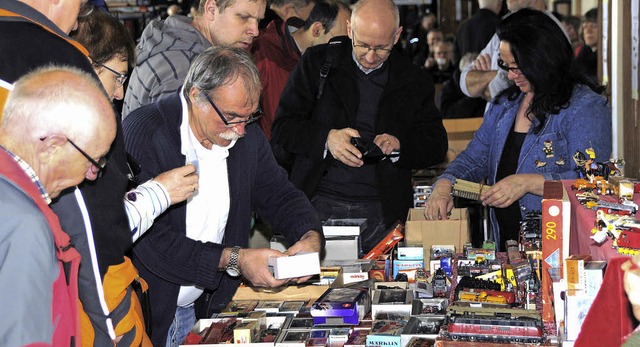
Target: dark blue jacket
(165, 256)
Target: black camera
(371, 153)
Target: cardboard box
(556, 219)
(594, 274)
(341, 248)
(294, 266)
(398, 301)
(344, 227)
(246, 332)
(403, 265)
(454, 231)
(576, 309)
(574, 271)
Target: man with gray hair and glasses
(373, 96)
(57, 127)
(195, 252)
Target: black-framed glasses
(100, 164)
(379, 51)
(229, 124)
(505, 67)
(120, 78)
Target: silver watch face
(233, 271)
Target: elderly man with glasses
(38, 160)
(193, 255)
(370, 92)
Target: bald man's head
(374, 28)
(48, 111)
(379, 12)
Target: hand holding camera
(340, 147)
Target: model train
(495, 329)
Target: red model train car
(496, 329)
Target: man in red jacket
(57, 128)
(280, 45)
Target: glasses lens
(121, 79)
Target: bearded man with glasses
(370, 92)
(194, 253)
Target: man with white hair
(56, 130)
(194, 253)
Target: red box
(556, 219)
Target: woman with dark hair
(531, 130)
(110, 47)
(107, 280)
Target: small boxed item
(239, 307)
(424, 327)
(357, 339)
(425, 233)
(293, 338)
(430, 306)
(268, 306)
(398, 301)
(410, 253)
(246, 332)
(342, 238)
(291, 307)
(574, 272)
(386, 333)
(339, 336)
(294, 266)
(576, 308)
(594, 274)
(341, 248)
(341, 306)
(344, 227)
(407, 266)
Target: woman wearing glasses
(532, 129)
(106, 275)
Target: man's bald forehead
(378, 10)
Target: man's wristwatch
(232, 268)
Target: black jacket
(406, 110)
(165, 257)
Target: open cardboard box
(454, 231)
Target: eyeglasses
(100, 164)
(379, 51)
(229, 124)
(86, 8)
(120, 78)
(505, 67)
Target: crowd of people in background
(348, 99)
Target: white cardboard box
(344, 227)
(294, 266)
(341, 248)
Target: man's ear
(317, 29)
(349, 32)
(210, 10)
(397, 35)
(50, 146)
